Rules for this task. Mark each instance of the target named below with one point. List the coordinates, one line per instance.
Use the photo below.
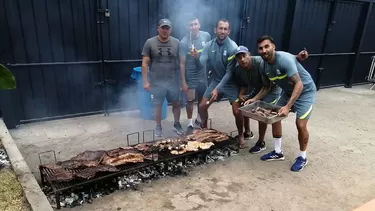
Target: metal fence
(75, 57)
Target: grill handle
(40, 159)
(210, 122)
(127, 136)
(153, 134)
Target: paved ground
(340, 175)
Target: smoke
(179, 12)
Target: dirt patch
(11, 194)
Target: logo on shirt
(225, 53)
(278, 72)
(203, 43)
(164, 51)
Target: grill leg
(57, 194)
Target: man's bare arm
(145, 64)
(298, 87)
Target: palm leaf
(7, 80)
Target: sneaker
(190, 130)
(258, 147)
(198, 123)
(299, 164)
(158, 131)
(273, 156)
(177, 127)
(248, 136)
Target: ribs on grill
(89, 173)
(121, 156)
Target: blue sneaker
(273, 156)
(299, 164)
(158, 131)
(258, 147)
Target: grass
(11, 194)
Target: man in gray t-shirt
(160, 56)
(193, 73)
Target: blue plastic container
(146, 107)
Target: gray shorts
(303, 105)
(229, 91)
(159, 93)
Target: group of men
(275, 77)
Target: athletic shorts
(159, 93)
(229, 91)
(304, 104)
(196, 92)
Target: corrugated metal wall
(76, 57)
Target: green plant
(7, 80)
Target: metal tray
(246, 111)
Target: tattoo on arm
(295, 78)
(298, 86)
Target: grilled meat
(123, 159)
(91, 172)
(61, 175)
(120, 151)
(144, 147)
(68, 164)
(90, 158)
(208, 136)
(265, 112)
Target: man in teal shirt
(299, 92)
(193, 74)
(218, 55)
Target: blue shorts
(159, 93)
(304, 104)
(229, 91)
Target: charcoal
(4, 160)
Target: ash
(132, 181)
(4, 160)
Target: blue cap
(241, 49)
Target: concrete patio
(340, 174)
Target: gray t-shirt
(164, 60)
(194, 71)
(252, 78)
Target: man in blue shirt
(298, 94)
(218, 55)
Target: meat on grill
(68, 164)
(61, 175)
(144, 147)
(123, 159)
(208, 136)
(89, 173)
(120, 151)
(90, 158)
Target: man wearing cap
(218, 54)
(160, 53)
(193, 74)
(247, 75)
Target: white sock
(190, 122)
(302, 154)
(277, 144)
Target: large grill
(59, 187)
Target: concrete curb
(34, 194)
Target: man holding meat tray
(298, 94)
(247, 75)
(160, 53)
